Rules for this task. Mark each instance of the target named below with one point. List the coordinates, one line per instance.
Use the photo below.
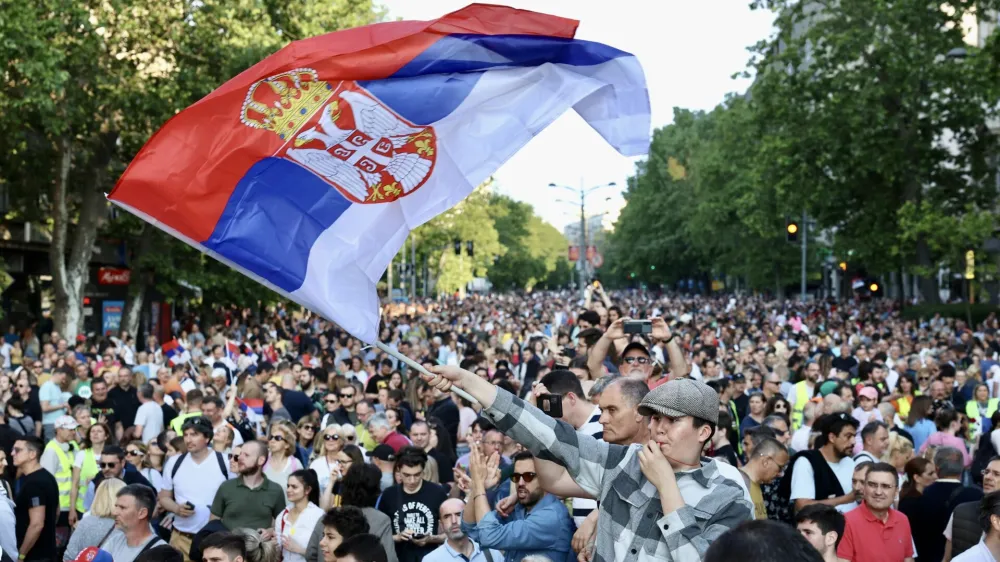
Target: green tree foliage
(86, 83)
(859, 117)
(869, 123)
(532, 247)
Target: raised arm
(595, 359)
(678, 365)
(584, 457)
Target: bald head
(451, 518)
(832, 404)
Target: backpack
(218, 457)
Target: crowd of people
(620, 426)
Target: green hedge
(979, 312)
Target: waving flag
(175, 352)
(308, 170)
(232, 350)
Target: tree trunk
(61, 313)
(137, 287)
(74, 269)
(928, 283)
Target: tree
(88, 82)
(867, 122)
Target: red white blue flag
(308, 170)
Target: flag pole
(420, 368)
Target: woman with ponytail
(295, 524)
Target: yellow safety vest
(364, 438)
(178, 422)
(64, 478)
(88, 470)
(972, 409)
(801, 397)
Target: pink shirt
(397, 441)
(942, 439)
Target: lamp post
(583, 193)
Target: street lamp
(583, 226)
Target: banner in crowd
(307, 171)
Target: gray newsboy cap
(682, 397)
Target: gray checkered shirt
(631, 525)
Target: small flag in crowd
(307, 171)
(253, 408)
(232, 350)
(175, 352)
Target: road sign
(597, 260)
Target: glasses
(527, 476)
(331, 437)
(108, 464)
(883, 487)
(308, 428)
(276, 438)
(134, 453)
(345, 395)
(330, 400)
(639, 360)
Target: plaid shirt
(630, 508)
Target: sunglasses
(108, 464)
(276, 438)
(351, 395)
(330, 400)
(527, 476)
(134, 453)
(639, 360)
(331, 437)
(308, 427)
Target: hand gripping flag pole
(420, 368)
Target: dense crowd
(625, 426)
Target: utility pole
(413, 265)
(581, 262)
(805, 236)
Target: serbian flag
(253, 408)
(175, 352)
(232, 350)
(307, 171)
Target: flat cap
(682, 397)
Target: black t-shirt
(417, 512)
(107, 409)
(728, 453)
(32, 490)
(297, 403)
(32, 406)
(375, 383)
(446, 411)
(169, 414)
(126, 404)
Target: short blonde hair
(104, 497)
(290, 431)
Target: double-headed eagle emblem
(365, 150)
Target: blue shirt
(920, 432)
(51, 393)
(546, 530)
(445, 553)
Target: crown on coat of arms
(287, 102)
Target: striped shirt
(630, 510)
(583, 506)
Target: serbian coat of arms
(342, 134)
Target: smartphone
(419, 537)
(638, 327)
(569, 352)
(551, 404)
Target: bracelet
(473, 498)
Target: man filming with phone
(660, 497)
(636, 359)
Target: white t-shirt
(150, 417)
(196, 483)
(117, 546)
(299, 532)
(804, 480)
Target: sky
(689, 51)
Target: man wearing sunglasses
(528, 522)
(659, 497)
(114, 463)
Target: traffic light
(843, 266)
(791, 230)
(458, 247)
(468, 248)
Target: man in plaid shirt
(657, 501)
